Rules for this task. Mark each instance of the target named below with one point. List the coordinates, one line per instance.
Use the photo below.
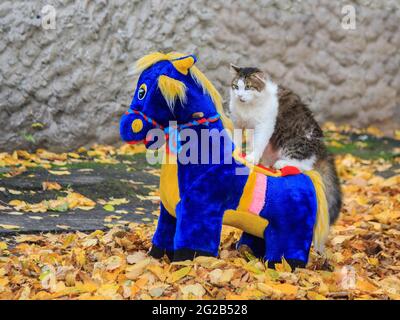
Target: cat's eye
(234, 86)
(248, 87)
(142, 91)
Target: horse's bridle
(204, 121)
(171, 132)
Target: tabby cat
(285, 131)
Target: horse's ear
(183, 64)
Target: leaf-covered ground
(86, 190)
(362, 260)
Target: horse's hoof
(188, 254)
(158, 253)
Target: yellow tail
(321, 227)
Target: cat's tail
(326, 168)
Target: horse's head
(169, 88)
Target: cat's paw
(302, 165)
(281, 164)
(251, 158)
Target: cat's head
(248, 84)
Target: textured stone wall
(75, 81)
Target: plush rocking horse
(280, 211)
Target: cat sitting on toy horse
(281, 212)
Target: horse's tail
(321, 227)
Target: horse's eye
(142, 91)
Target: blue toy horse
(281, 212)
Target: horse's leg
(163, 239)
(255, 244)
(198, 229)
(286, 245)
(289, 235)
(290, 210)
(200, 212)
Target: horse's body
(277, 210)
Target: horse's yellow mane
(152, 58)
(171, 90)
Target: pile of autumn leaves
(361, 259)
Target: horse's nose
(137, 125)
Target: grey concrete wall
(75, 81)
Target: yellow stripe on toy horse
(255, 225)
(169, 188)
(171, 89)
(247, 195)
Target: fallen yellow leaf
(312, 295)
(181, 273)
(3, 245)
(158, 271)
(283, 266)
(9, 227)
(286, 289)
(365, 285)
(60, 173)
(196, 290)
(47, 185)
(14, 192)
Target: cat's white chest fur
(258, 111)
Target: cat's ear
(235, 68)
(261, 76)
